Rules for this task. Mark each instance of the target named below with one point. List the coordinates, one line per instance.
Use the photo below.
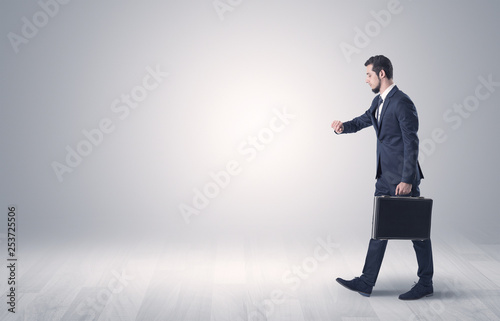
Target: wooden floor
(251, 278)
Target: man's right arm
(352, 126)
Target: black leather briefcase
(401, 218)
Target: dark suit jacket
(397, 140)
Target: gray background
(225, 78)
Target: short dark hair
(380, 63)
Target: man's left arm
(408, 122)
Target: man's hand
(337, 126)
(403, 188)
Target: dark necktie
(380, 102)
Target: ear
(381, 74)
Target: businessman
(394, 118)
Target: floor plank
(242, 278)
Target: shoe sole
(425, 296)
(362, 293)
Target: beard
(376, 90)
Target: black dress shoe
(418, 291)
(356, 285)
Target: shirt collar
(387, 91)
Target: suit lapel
(387, 104)
(373, 110)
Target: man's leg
(423, 250)
(373, 261)
(425, 271)
(376, 248)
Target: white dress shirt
(383, 95)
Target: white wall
(227, 71)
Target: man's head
(378, 72)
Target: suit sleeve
(357, 123)
(408, 122)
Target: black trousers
(376, 248)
